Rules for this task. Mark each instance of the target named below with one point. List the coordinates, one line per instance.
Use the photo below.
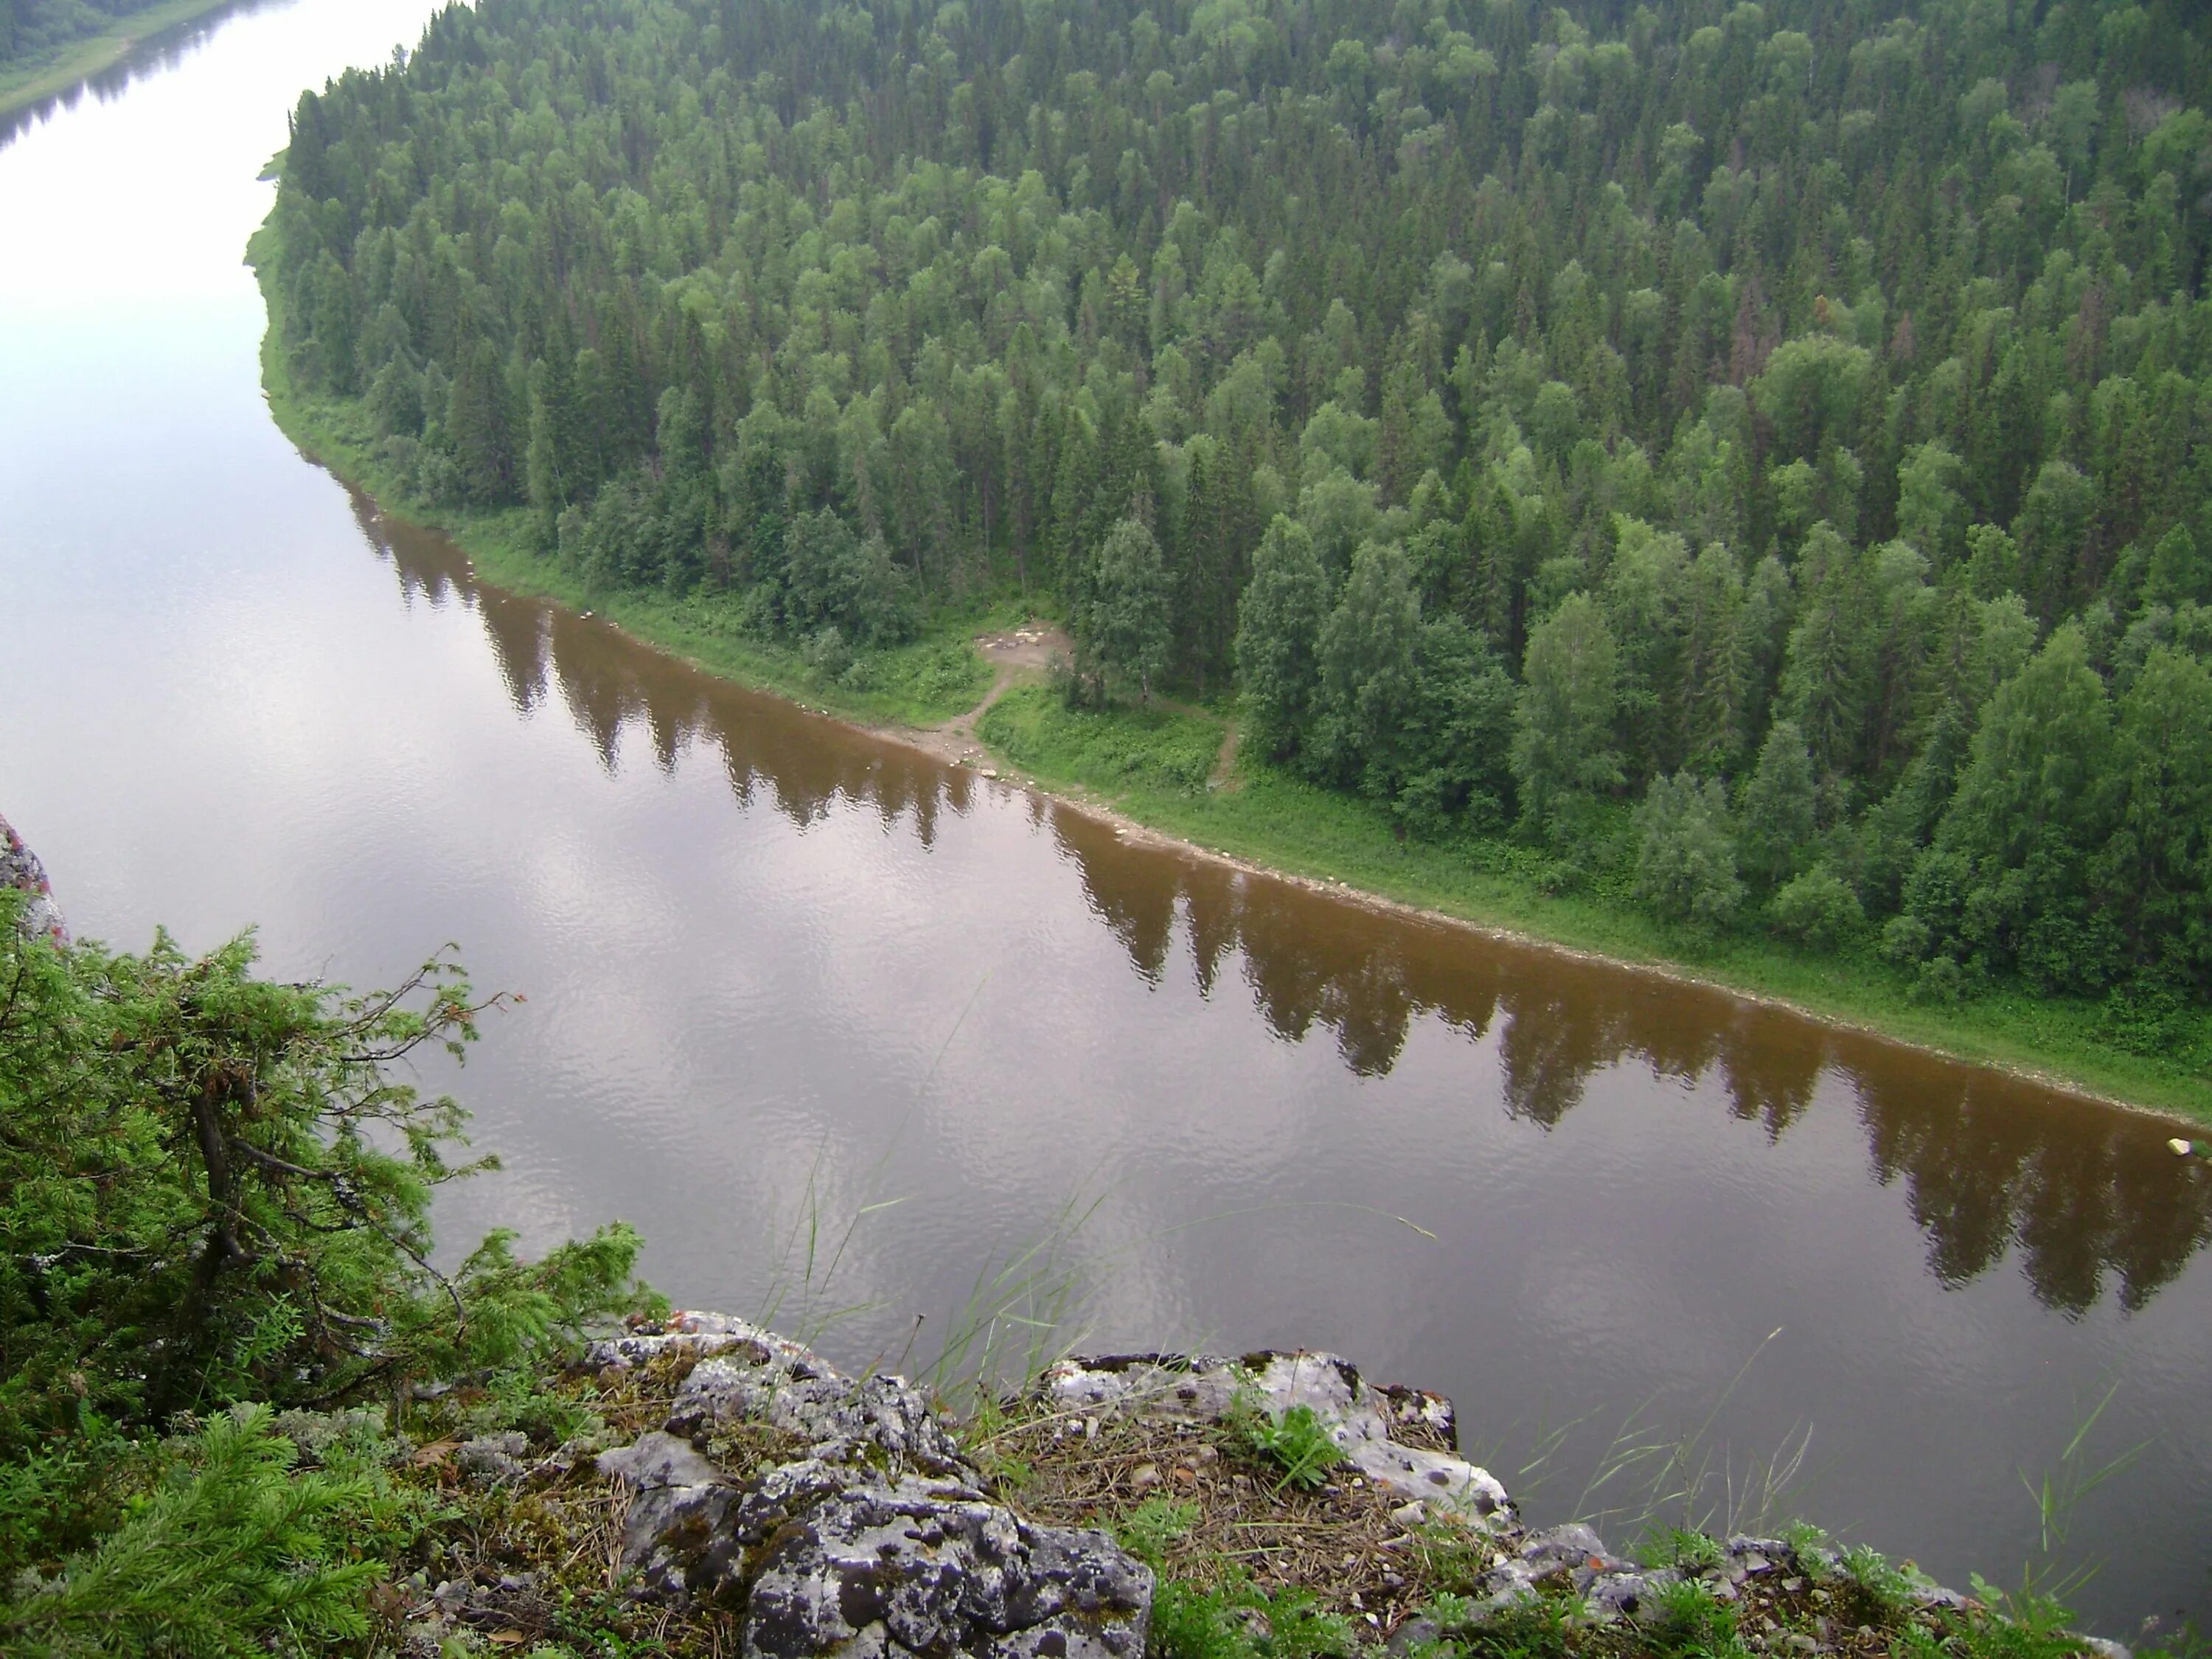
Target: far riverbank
(1174, 773)
(57, 70)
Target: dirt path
(1224, 764)
(1014, 657)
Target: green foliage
(834, 578)
(1236, 1619)
(1819, 908)
(1542, 1627)
(2007, 883)
(1693, 1552)
(1807, 1541)
(1686, 852)
(1124, 632)
(231, 1551)
(214, 1198)
(1297, 1443)
(1779, 801)
(1563, 723)
(211, 1189)
(1149, 1530)
(1112, 749)
(1885, 1589)
(2019, 1627)
(1687, 1620)
(1279, 636)
(1367, 667)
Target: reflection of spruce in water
(1989, 1163)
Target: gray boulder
(927, 1567)
(20, 869)
(673, 1536)
(877, 1539)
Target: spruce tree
(1562, 740)
(1278, 639)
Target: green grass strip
(1152, 767)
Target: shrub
(211, 1190)
(234, 1551)
(1686, 852)
(1818, 910)
(826, 651)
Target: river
(787, 982)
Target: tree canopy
(1524, 405)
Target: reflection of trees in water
(149, 56)
(1987, 1163)
(1137, 907)
(2083, 1192)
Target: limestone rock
(878, 1540)
(745, 1374)
(672, 1536)
(931, 1569)
(1364, 1421)
(19, 868)
(1626, 1595)
(1560, 1549)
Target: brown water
(767, 958)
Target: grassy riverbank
(60, 68)
(1156, 768)
(922, 684)
(1153, 766)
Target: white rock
(1358, 1418)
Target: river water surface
(776, 969)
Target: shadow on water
(154, 54)
(2089, 1196)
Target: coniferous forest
(1764, 445)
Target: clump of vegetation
(1116, 749)
(1236, 1619)
(214, 1204)
(1297, 1444)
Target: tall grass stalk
(2056, 1494)
(1691, 1482)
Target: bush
(234, 1551)
(214, 1197)
(211, 1190)
(1907, 940)
(1941, 980)
(826, 653)
(1818, 910)
(1686, 853)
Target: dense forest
(29, 27)
(1764, 445)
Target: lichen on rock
(878, 1540)
(20, 869)
(1404, 1441)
